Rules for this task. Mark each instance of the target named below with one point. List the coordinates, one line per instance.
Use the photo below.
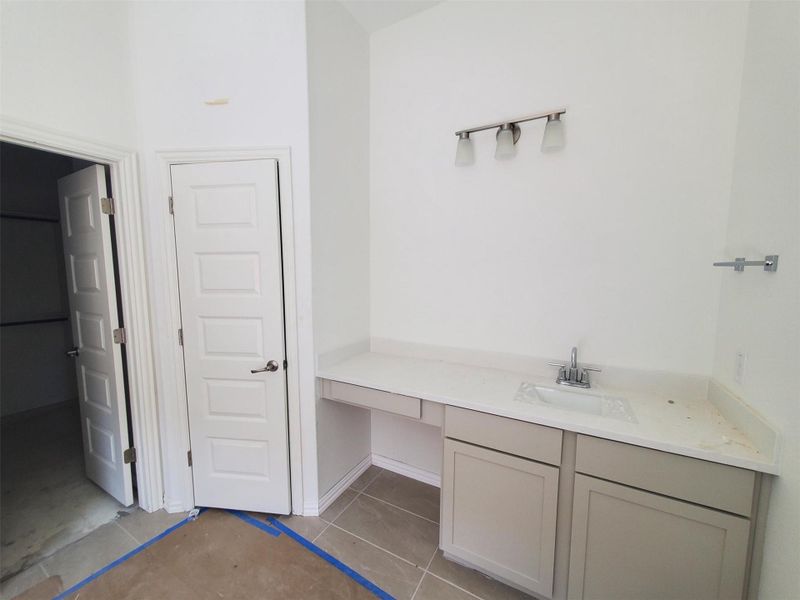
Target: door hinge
(129, 456)
(119, 336)
(171, 205)
(189, 457)
(107, 206)
(180, 337)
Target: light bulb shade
(553, 139)
(465, 153)
(505, 144)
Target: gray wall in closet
(34, 312)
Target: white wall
(252, 53)
(759, 312)
(138, 74)
(65, 66)
(409, 442)
(606, 245)
(34, 370)
(338, 72)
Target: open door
(227, 233)
(93, 314)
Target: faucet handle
(595, 369)
(554, 364)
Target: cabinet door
(499, 514)
(630, 544)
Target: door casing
(124, 169)
(158, 403)
(181, 495)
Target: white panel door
(227, 232)
(93, 314)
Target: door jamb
(124, 169)
(176, 429)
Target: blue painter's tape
(354, 575)
(125, 557)
(254, 522)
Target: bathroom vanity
(585, 494)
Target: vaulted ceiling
(376, 14)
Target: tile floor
(385, 526)
(94, 551)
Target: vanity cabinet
(365, 397)
(657, 525)
(631, 544)
(498, 510)
(643, 524)
(564, 515)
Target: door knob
(73, 353)
(270, 366)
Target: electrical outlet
(739, 367)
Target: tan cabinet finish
(565, 515)
(710, 484)
(365, 397)
(529, 440)
(499, 514)
(630, 544)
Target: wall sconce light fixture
(508, 133)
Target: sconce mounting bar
(540, 115)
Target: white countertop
(689, 427)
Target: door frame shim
(129, 227)
(176, 426)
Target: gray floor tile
(473, 581)
(308, 527)
(391, 574)
(420, 498)
(366, 478)
(21, 582)
(436, 589)
(335, 509)
(143, 525)
(101, 547)
(398, 531)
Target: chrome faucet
(572, 374)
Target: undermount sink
(586, 402)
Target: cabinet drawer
(372, 398)
(710, 484)
(507, 435)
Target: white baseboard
(401, 468)
(332, 494)
(383, 462)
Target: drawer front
(372, 398)
(507, 435)
(710, 484)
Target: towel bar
(770, 263)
